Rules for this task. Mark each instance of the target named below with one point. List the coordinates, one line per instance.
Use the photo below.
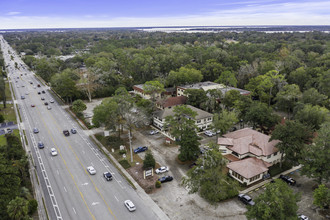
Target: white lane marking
(116, 198)
(65, 189)
(58, 173)
(74, 210)
(84, 184)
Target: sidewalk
(254, 187)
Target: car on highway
(130, 205)
(247, 200)
(23, 86)
(51, 101)
(43, 91)
(39, 93)
(140, 149)
(161, 169)
(53, 151)
(34, 87)
(46, 103)
(33, 105)
(73, 131)
(22, 97)
(107, 176)
(26, 93)
(17, 86)
(66, 132)
(42, 98)
(209, 133)
(38, 85)
(91, 170)
(41, 145)
(288, 180)
(49, 108)
(165, 179)
(35, 130)
(153, 132)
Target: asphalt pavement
(70, 191)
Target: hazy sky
(143, 13)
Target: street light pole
(130, 145)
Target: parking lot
(174, 199)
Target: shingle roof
(248, 140)
(173, 101)
(169, 111)
(249, 167)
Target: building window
(198, 121)
(209, 119)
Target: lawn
(8, 93)
(3, 140)
(8, 113)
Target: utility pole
(130, 145)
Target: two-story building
(203, 119)
(139, 89)
(249, 153)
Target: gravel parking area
(304, 186)
(174, 199)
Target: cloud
(273, 13)
(13, 13)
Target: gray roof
(199, 85)
(169, 112)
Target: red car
(33, 105)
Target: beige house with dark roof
(249, 153)
(203, 119)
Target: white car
(49, 108)
(161, 170)
(153, 132)
(130, 205)
(303, 217)
(91, 170)
(51, 101)
(53, 151)
(209, 133)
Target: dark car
(39, 93)
(140, 149)
(73, 131)
(66, 133)
(38, 85)
(43, 91)
(22, 97)
(246, 199)
(35, 130)
(42, 98)
(41, 145)
(107, 176)
(46, 103)
(288, 180)
(165, 179)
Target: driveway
(174, 199)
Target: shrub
(33, 205)
(158, 184)
(122, 152)
(125, 164)
(2, 119)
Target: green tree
(317, 156)
(299, 77)
(312, 116)
(64, 85)
(212, 70)
(154, 89)
(321, 196)
(224, 121)
(78, 106)
(277, 202)
(17, 208)
(227, 78)
(3, 91)
(260, 115)
(209, 179)
(293, 137)
(231, 97)
(212, 102)
(149, 161)
(288, 97)
(266, 86)
(189, 144)
(312, 96)
(196, 97)
(184, 76)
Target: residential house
(203, 119)
(249, 153)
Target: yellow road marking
(82, 196)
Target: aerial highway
(70, 191)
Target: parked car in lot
(41, 145)
(209, 133)
(130, 205)
(66, 132)
(53, 151)
(35, 130)
(165, 179)
(288, 180)
(91, 170)
(153, 132)
(140, 149)
(107, 176)
(247, 200)
(161, 170)
(73, 131)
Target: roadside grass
(8, 112)
(8, 93)
(3, 140)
